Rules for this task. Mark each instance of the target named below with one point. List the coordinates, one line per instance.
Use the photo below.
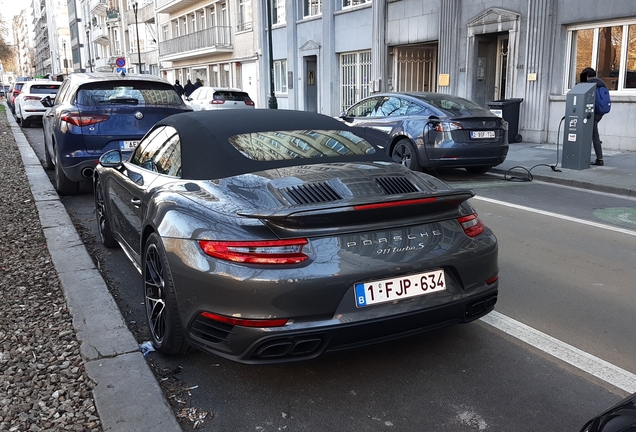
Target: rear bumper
(278, 346)
(464, 155)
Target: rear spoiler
(364, 213)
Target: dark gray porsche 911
(274, 236)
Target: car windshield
(299, 144)
(128, 93)
(44, 89)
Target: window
(355, 73)
(245, 15)
(349, 3)
(608, 48)
(193, 25)
(280, 76)
(164, 33)
(278, 11)
(312, 8)
(159, 152)
(365, 108)
(201, 19)
(295, 144)
(175, 28)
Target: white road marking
(558, 216)
(595, 366)
(601, 369)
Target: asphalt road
(564, 278)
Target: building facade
(216, 41)
(328, 55)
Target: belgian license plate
(389, 290)
(482, 134)
(129, 145)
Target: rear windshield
(231, 96)
(45, 89)
(300, 144)
(128, 93)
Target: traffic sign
(120, 70)
(120, 62)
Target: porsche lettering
(397, 238)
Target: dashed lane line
(595, 366)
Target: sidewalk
(126, 393)
(617, 176)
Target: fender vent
(311, 193)
(395, 185)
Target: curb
(579, 184)
(127, 395)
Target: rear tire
(162, 313)
(478, 169)
(48, 161)
(103, 226)
(63, 185)
(404, 153)
(25, 123)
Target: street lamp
(134, 6)
(273, 104)
(65, 60)
(88, 44)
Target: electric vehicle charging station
(579, 123)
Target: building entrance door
(311, 84)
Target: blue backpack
(603, 103)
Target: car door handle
(136, 202)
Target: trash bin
(508, 109)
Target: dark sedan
(434, 130)
(272, 235)
(96, 112)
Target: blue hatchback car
(96, 112)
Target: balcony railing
(99, 7)
(209, 38)
(100, 35)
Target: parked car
(288, 234)
(96, 112)
(619, 418)
(215, 98)
(14, 90)
(434, 130)
(4, 90)
(27, 104)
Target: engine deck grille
(395, 185)
(311, 193)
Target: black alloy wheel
(103, 226)
(404, 153)
(160, 300)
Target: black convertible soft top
(206, 152)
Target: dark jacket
(179, 88)
(188, 89)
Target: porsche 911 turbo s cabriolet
(278, 235)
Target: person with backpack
(602, 106)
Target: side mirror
(111, 159)
(343, 115)
(46, 101)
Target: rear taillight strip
(394, 203)
(288, 251)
